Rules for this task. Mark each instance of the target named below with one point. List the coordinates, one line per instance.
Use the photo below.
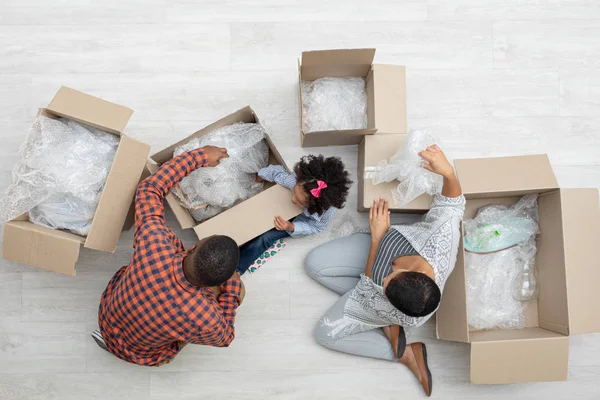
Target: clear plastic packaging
(492, 278)
(406, 166)
(234, 179)
(334, 104)
(61, 174)
(346, 223)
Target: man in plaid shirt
(166, 297)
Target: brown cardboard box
(386, 93)
(567, 268)
(57, 250)
(373, 149)
(247, 219)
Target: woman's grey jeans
(337, 265)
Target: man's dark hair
(329, 170)
(413, 293)
(215, 260)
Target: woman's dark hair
(329, 170)
(413, 293)
(215, 260)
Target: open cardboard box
(372, 150)
(567, 268)
(58, 250)
(386, 93)
(246, 219)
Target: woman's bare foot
(415, 358)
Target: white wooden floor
(493, 77)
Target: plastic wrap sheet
(406, 166)
(233, 179)
(60, 176)
(491, 277)
(334, 104)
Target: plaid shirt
(149, 307)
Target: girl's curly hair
(329, 170)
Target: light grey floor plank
(417, 44)
(481, 93)
(579, 91)
(546, 44)
(10, 297)
(123, 48)
(66, 12)
(42, 347)
(512, 10)
(76, 386)
(188, 11)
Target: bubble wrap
(406, 166)
(334, 104)
(491, 277)
(60, 176)
(234, 178)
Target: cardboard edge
(117, 195)
(90, 110)
(40, 247)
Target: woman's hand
(283, 225)
(214, 154)
(437, 161)
(379, 219)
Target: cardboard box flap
(251, 217)
(41, 247)
(581, 232)
(336, 63)
(389, 98)
(118, 194)
(90, 110)
(338, 57)
(505, 175)
(523, 355)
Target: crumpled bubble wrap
(233, 179)
(491, 277)
(61, 175)
(406, 166)
(334, 104)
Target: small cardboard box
(386, 93)
(247, 219)
(57, 250)
(372, 150)
(567, 268)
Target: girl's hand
(379, 219)
(283, 225)
(259, 179)
(437, 161)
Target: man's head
(413, 293)
(212, 261)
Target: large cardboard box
(372, 150)
(57, 250)
(247, 219)
(567, 267)
(386, 93)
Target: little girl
(319, 185)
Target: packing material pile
(406, 166)
(207, 192)
(334, 104)
(61, 175)
(500, 259)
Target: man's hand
(283, 225)
(437, 161)
(214, 154)
(379, 219)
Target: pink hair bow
(317, 191)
